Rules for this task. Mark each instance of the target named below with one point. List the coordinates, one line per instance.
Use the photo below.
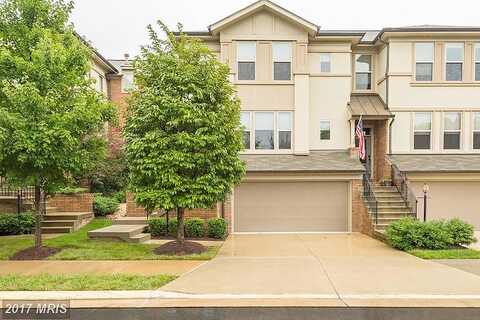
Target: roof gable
(263, 5)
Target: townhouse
(303, 90)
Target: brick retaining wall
(80, 202)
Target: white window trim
(475, 60)
(276, 131)
(446, 62)
(452, 131)
(474, 130)
(372, 80)
(329, 129)
(424, 61)
(291, 61)
(429, 131)
(254, 60)
(250, 114)
(329, 55)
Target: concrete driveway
(345, 266)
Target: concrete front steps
(126, 232)
(391, 207)
(64, 222)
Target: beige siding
(266, 97)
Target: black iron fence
(369, 195)
(20, 195)
(400, 181)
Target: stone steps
(50, 230)
(64, 222)
(131, 221)
(126, 232)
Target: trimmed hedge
(15, 224)
(217, 228)
(408, 234)
(195, 228)
(104, 205)
(158, 226)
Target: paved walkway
(347, 266)
(469, 265)
(144, 267)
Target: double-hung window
(284, 124)
(476, 130)
(477, 62)
(422, 135)
(454, 55)
(363, 72)
(128, 81)
(246, 55)
(452, 124)
(282, 60)
(324, 130)
(325, 62)
(246, 121)
(424, 55)
(264, 131)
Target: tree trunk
(180, 226)
(38, 220)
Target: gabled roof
(97, 56)
(260, 5)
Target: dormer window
(363, 72)
(282, 60)
(246, 55)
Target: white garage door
(291, 207)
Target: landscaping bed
(77, 246)
(82, 282)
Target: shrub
(121, 196)
(110, 175)
(461, 232)
(158, 226)
(217, 228)
(194, 228)
(72, 190)
(104, 205)
(14, 224)
(407, 234)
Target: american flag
(361, 139)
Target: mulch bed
(29, 253)
(175, 248)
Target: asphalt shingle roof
(436, 162)
(333, 161)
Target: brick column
(361, 221)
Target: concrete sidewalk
(143, 267)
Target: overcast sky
(116, 27)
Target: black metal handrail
(20, 194)
(369, 195)
(400, 181)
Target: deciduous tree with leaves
(183, 133)
(50, 114)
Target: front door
(368, 162)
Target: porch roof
(436, 162)
(320, 161)
(369, 106)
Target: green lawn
(77, 246)
(78, 282)
(446, 254)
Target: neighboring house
(303, 90)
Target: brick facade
(81, 202)
(381, 167)
(361, 221)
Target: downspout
(387, 96)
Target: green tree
(50, 113)
(183, 133)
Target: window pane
(246, 51)
(477, 52)
(476, 121)
(282, 51)
(264, 121)
(454, 52)
(282, 71)
(324, 130)
(363, 81)
(127, 81)
(246, 71)
(245, 120)
(423, 121)
(424, 52)
(285, 140)
(452, 121)
(264, 137)
(325, 62)
(477, 71)
(421, 141)
(246, 139)
(424, 71)
(285, 121)
(453, 71)
(363, 63)
(451, 140)
(476, 140)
